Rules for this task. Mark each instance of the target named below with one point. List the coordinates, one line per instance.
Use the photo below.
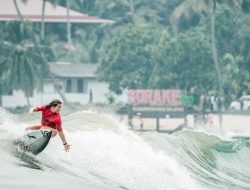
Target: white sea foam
(103, 154)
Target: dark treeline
(196, 45)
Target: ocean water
(105, 155)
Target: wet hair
(54, 103)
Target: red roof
(32, 11)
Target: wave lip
(214, 162)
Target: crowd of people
(209, 105)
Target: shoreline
(230, 122)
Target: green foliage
(141, 57)
(84, 49)
(229, 76)
(232, 35)
(185, 62)
(21, 60)
(128, 57)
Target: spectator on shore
(90, 96)
(130, 122)
(219, 101)
(198, 120)
(212, 103)
(207, 103)
(202, 102)
(140, 121)
(210, 121)
(241, 104)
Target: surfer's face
(57, 108)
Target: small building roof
(32, 10)
(67, 69)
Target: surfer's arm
(65, 144)
(32, 110)
(36, 109)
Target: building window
(68, 85)
(80, 87)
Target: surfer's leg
(54, 133)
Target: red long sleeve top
(49, 118)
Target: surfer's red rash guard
(49, 118)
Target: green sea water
(106, 155)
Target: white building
(31, 10)
(74, 81)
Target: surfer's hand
(31, 111)
(66, 147)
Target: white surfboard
(35, 141)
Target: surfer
(51, 120)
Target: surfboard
(34, 142)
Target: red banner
(155, 97)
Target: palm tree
(42, 21)
(68, 24)
(2, 69)
(17, 9)
(22, 60)
(39, 52)
(132, 9)
(1, 83)
(54, 2)
(24, 50)
(202, 6)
